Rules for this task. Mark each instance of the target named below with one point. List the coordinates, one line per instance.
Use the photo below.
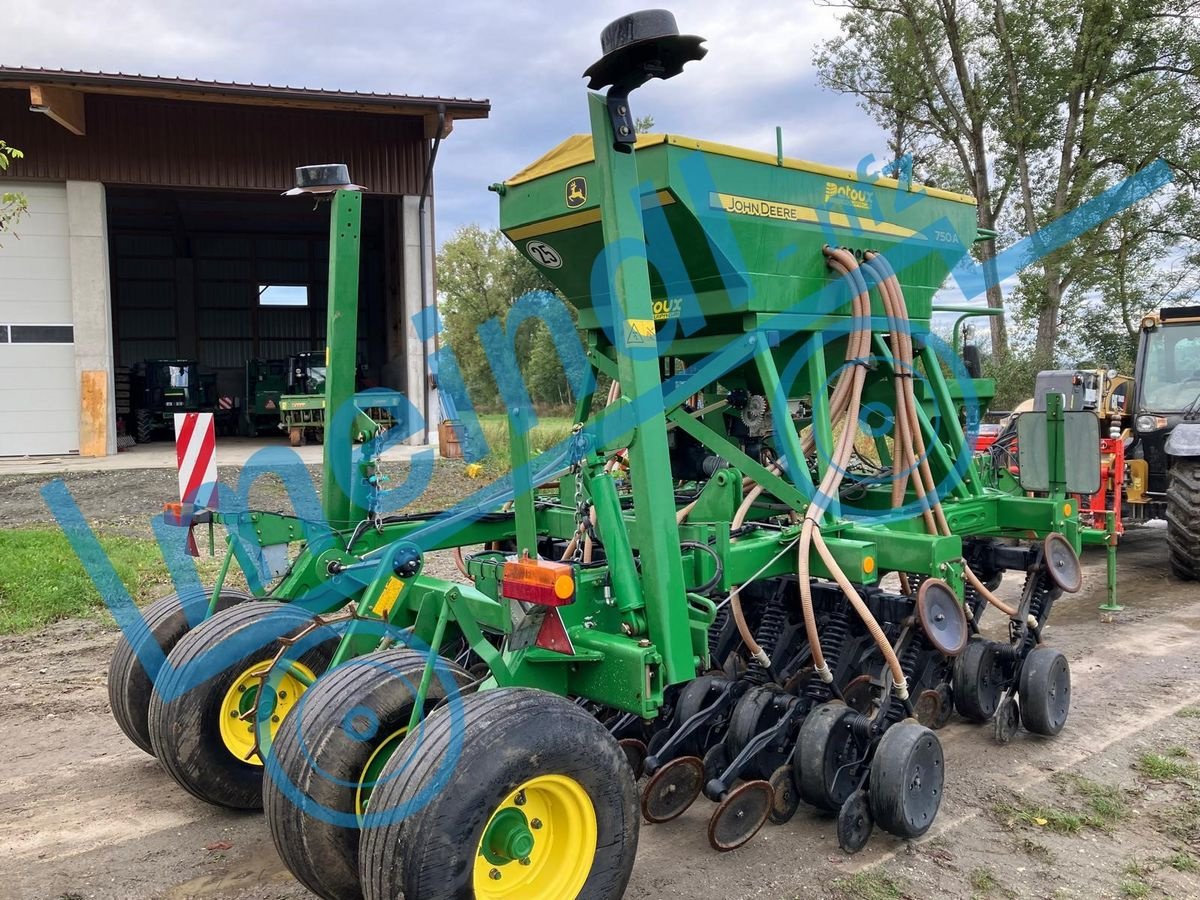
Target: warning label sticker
(639, 331)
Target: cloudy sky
(525, 57)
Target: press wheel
(907, 775)
(635, 753)
(828, 758)
(1045, 691)
(978, 680)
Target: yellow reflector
(1066, 509)
(564, 587)
(868, 564)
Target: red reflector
(539, 581)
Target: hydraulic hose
(909, 431)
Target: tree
(12, 204)
(1094, 92)
(1043, 102)
(915, 66)
(480, 276)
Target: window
(3, 334)
(39, 334)
(283, 295)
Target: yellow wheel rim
(237, 708)
(370, 773)
(551, 819)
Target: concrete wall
(92, 310)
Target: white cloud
(526, 58)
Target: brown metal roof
(176, 88)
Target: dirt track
(84, 814)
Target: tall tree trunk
(1047, 328)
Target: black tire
(130, 686)
(1045, 691)
(321, 752)
(907, 776)
(185, 711)
(507, 737)
(1183, 519)
(978, 681)
(143, 427)
(824, 749)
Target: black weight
(1045, 691)
(907, 775)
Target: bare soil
(84, 814)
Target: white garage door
(39, 391)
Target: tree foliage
(12, 204)
(1037, 107)
(480, 276)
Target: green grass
(43, 581)
(983, 881)
(1189, 712)
(1164, 768)
(1183, 862)
(548, 432)
(1107, 804)
(1178, 752)
(869, 886)
(1132, 887)
(1056, 820)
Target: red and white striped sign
(196, 457)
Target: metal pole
(655, 532)
(341, 358)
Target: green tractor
(1164, 459)
(160, 388)
(711, 581)
(302, 406)
(266, 383)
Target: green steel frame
(635, 625)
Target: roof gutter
(425, 242)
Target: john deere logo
(858, 199)
(576, 192)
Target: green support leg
(1110, 605)
(341, 355)
(637, 364)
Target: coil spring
(833, 639)
(770, 628)
(974, 602)
(917, 645)
(714, 633)
(1039, 604)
